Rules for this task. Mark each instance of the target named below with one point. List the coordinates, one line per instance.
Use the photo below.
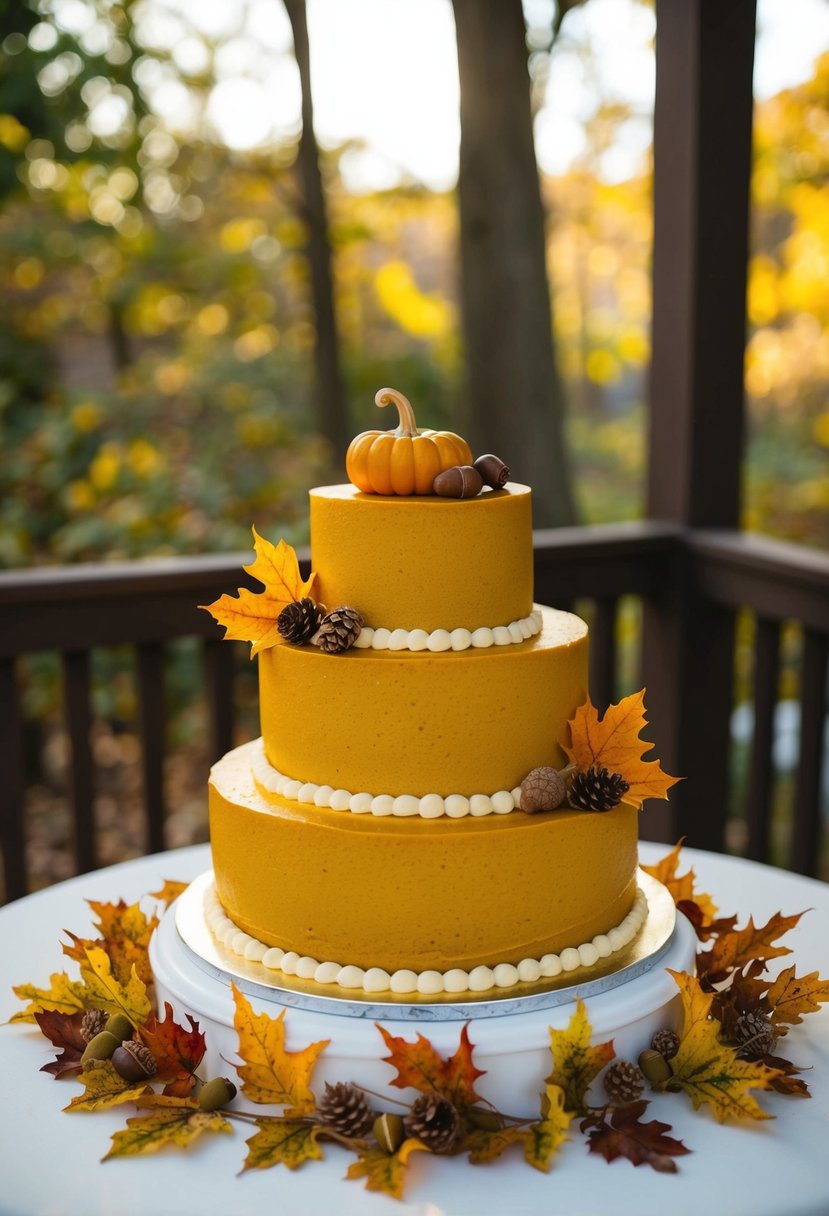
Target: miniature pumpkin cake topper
(406, 460)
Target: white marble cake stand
(627, 1001)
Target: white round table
(50, 1161)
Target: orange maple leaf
(251, 616)
(732, 951)
(420, 1066)
(613, 742)
(682, 886)
(125, 937)
(177, 1051)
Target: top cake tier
(424, 563)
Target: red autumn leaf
(62, 1030)
(178, 1051)
(734, 950)
(640, 1143)
(421, 1067)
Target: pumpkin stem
(391, 396)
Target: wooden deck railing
(146, 605)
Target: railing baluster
(219, 663)
(761, 771)
(12, 794)
(151, 722)
(76, 701)
(806, 820)
(603, 653)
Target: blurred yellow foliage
(104, 469)
(80, 496)
(143, 458)
(13, 135)
(421, 315)
(170, 378)
(602, 367)
(238, 234)
(256, 343)
(85, 417)
(29, 273)
(213, 319)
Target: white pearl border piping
(449, 639)
(269, 780)
(426, 983)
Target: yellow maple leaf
(575, 1063)
(107, 993)
(125, 936)
(484, 1145)
(170, 890)
(251, 616)
(270, 1073)
(177, 1127)
(282, 1142)
(708, 1070)
(681, 886)
(104, 1087)
(613, 742)
(384, 1171)
(543, 1139)
(791, 997)
(63, 994)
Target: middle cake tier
(418, 723)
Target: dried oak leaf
(709, 1070)
(107, 992)
(385, 1172)
(790, 998)
(251, 616)
(786, 1081)
(174, 1126)
(641, 1143)
(125, 936)
(62, 1030)
(575, 1063)
(169, 891)
(698, 907)
(270, 1073)
(103, 1088)
(282, 1142)
(734, 950)
(63, 995)
(178, 1051)
(613, 742)
(420, 1066)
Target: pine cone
(666, 1042)
(343, 1108)
(339, 630)
(623, 1082)
(92, 1023)
(297, 622)
(755, 1034)
(435, 1122)
(597, 790)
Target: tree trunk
(329, 391)
(515, 391)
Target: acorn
(655, 1067)
(119, 1025)
(389, 1132)
(543, 789)
(133, 1061)
(486, 1120)
(102, 1047)
(216, 1093)
(461, 481)
(494, 472)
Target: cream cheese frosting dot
(502, 802)
(480, 979)
(380, 641)
(456, 980)
(603, 946)
(291, 790)
(403, 981)
(588, 954)
(364, 638)
(526, 628)
(570, 959)
(382, 804)
(351, 977)
(359, 804)
(501, 635)
(505, 975)
(255, 951)
(289, 962)
(323, 795)
(399, 639)
(418, 639)
(272, 959)
(456, 806)
(431, 806)
(439, 639)
(239, 940)
(550, 966)
(616, 939)
(529, 970)
(227, 933)
(516, 795)
(482, 638)
(307, 792)
(515, 632)
(326, 973)
(406, 804)
(461, 639)
(306, 967)
(480, 804)
(429, 983)
(376, 980)
(340, 800)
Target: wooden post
(702, 164)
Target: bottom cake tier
(412, 894)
